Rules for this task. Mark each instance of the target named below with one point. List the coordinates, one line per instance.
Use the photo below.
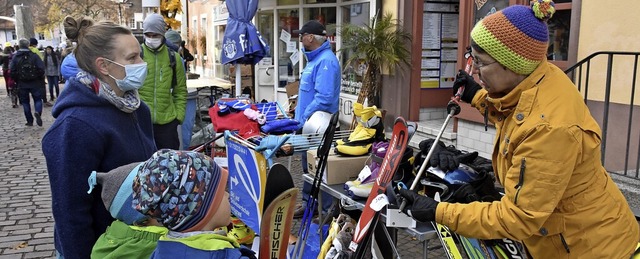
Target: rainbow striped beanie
(517, 36)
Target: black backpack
(26, 69)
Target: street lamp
(120, 3)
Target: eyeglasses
(479, 65)
(301, 36)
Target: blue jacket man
(320, 80)
(319, 89)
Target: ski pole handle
(426, 159)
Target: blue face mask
(134, 76)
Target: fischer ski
(279, 180)
(369, 218)
(275, 227)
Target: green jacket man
(166, 97)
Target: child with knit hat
(132, 234)
(558, 198)
(185, 192)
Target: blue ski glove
(470, 86)
(421, 208)
(268, 143)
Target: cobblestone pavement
(26, 222)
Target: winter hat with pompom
(517, 36)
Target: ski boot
(378, 150)
(369, 129)
(241, 232)
(362, 186)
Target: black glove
(465, 193)
(441, 157)
(421, 208)
(486, 189)
(470, 86)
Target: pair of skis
(370, 216)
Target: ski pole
(454, 109)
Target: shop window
(220, 71)
(288, 67)
(265, 27)
(326, 16)
(319, 1)
(352, 74)
(559, 26)
(288, 2)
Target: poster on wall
(439, 43)
(431, 31)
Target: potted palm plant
(380, 44)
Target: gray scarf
(127, 103)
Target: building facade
(440, 34)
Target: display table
(423, 232)
(216, 86)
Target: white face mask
(153, 43)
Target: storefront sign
(247, 177)
(220, 13)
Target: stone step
(430, 129)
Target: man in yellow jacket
(559, 200)
(165, 95)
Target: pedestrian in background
(33, 46)
(185, 54)
(9, 83)
(192, 96)
(100, 124)
(165, 88)
(558, 198)
(52, 71)
(27, 69)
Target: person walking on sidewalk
(101, 124)
(558, 198)
(52, 71)
(10, 84)
(165, 89)
(33, 46)
(27, 69)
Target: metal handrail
(571, 72)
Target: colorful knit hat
(517, 36)
(117, 193)
(180, 189)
